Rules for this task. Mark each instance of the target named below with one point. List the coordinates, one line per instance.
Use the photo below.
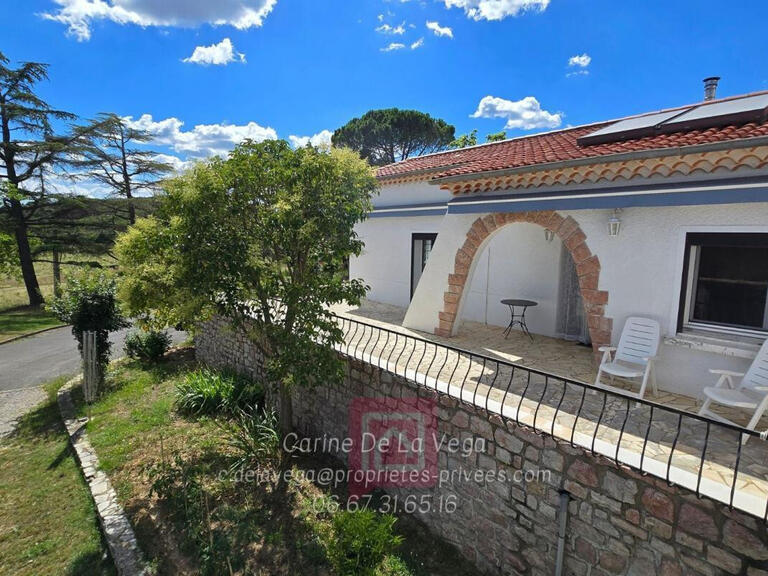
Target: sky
(202, 74)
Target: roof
(562, 146)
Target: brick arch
(574, 239)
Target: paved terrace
(681, 449)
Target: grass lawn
(206, 523)
(14, 295)
(24, 321)
(12, 291)
(47, 521)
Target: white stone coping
(113, 521)
(714, 345)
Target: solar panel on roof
(735, 111)
(629, 128)
(748, 109)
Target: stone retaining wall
(620, 522)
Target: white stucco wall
(641, 269)
(410, 193)
(386, 259)
(517, 262)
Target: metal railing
(481, 380)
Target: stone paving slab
(114, 523)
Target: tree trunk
(131, 207)
(25, 256)
(286, 410)
(131, 213)
(56, 257)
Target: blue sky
(311, 65)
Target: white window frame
(689, 325)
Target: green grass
(138, 434)
(13, 294)
(47, 521)
(20, 321)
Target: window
(725, 283)
(421, 247)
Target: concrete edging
(114, 524)
(35, 333)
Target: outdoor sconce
(549, 235)
(614, 223)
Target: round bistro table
(518, 319)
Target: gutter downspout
(565, 498)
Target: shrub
(187, 503)
(206, 391)
(255, 437)
(88, 302)
(360, 542)
(149, 345)
(393, 566)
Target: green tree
(390, 135)
(496, 137)
(465, 140)
(261, 239)
(9, 257)
(108, 154)
(28, 146)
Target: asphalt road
(31, 361)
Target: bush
(361, 541)
(149, 345)
(255, 437)
(186, 501)
(393, 566)
(205, 391)
(88, 302)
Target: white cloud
(581, 61)
(79, 15)
(393, 46)
(204, 139)
(418, 44)
(387, 29)
(380, 17)
(440, 30)
(496, 9)
(217, 54)
(525, 114)
(177, 163)
(320, 140)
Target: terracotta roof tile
(554, 147)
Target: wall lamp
(614, 223)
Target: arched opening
(567, 230)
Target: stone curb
(114, 523)
(35, 333)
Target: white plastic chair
(634, 356)
(751, 393)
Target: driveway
(27, 363)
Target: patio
(667, 444)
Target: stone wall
(620, 522)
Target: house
(662, 215)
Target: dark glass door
(421, 247)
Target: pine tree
(108, 154)
(28, 146)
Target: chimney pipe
(710, 87)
